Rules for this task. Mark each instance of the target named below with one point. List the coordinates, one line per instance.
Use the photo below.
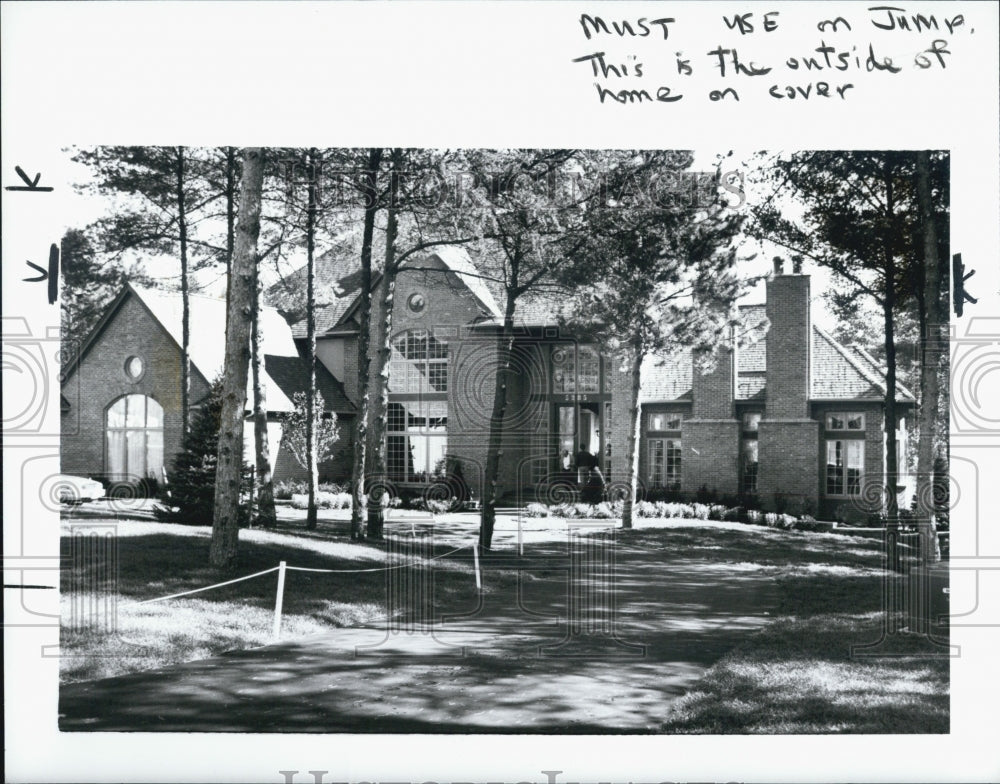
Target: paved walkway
(534, 656)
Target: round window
(134, 367)
(416, 302)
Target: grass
(798, 674)
(159, 559)
(795, 675)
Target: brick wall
(714, 390)
(789, 468)
(788, 347)
(710, 455)
(102, 380)
(449, 307)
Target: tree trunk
(930, 353)
(230, 218)
(635, 423)
(225, 521)
(359, 503)
(386, 291)
(494, 448)
(185, 300)
(888, 312)
(266, 514)
(313, 466)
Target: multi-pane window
(664, 462)
(419, 363)
(664, 420)
(845, 421)
(575, 369)
(135, 438)
(845, 459)
(417, 439)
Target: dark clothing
(585, 459)
(593, 488)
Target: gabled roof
(338, 286)
(338, 281)
(455, 260)
(207, 344)
(838, 373)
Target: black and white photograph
(590, 448)
(526, 462)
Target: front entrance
(579, 426)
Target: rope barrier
(209, 587)
(283, 567)
(373, 569)
(296, 569)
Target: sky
(77, 209)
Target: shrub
(536, 510)
(700, 511)
(286, 488)
(189, 496)
(432, 505)
(323, 500)
(645, 509)
(602, 511)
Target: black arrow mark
(51, 274)
(32, 184)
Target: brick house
(124, 423)
(787, 414)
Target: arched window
(135, 437)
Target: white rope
(209, 587)
(294, 569)
(373, 569)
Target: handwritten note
(643, 60)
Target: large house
(786, 414)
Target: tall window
(417, 427)
(750, 460)
(419, 363)
(135, 437)
(664, 462)
(845, 460)
(749, 451)
(575, 369)
(417, 439)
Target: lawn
(694, 593)
(798, 674)
(159, 559)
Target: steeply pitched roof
(666, 380)
(338, 281)
(838, 373)
(207, 345)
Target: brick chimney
(711, 437)
(788, 343)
